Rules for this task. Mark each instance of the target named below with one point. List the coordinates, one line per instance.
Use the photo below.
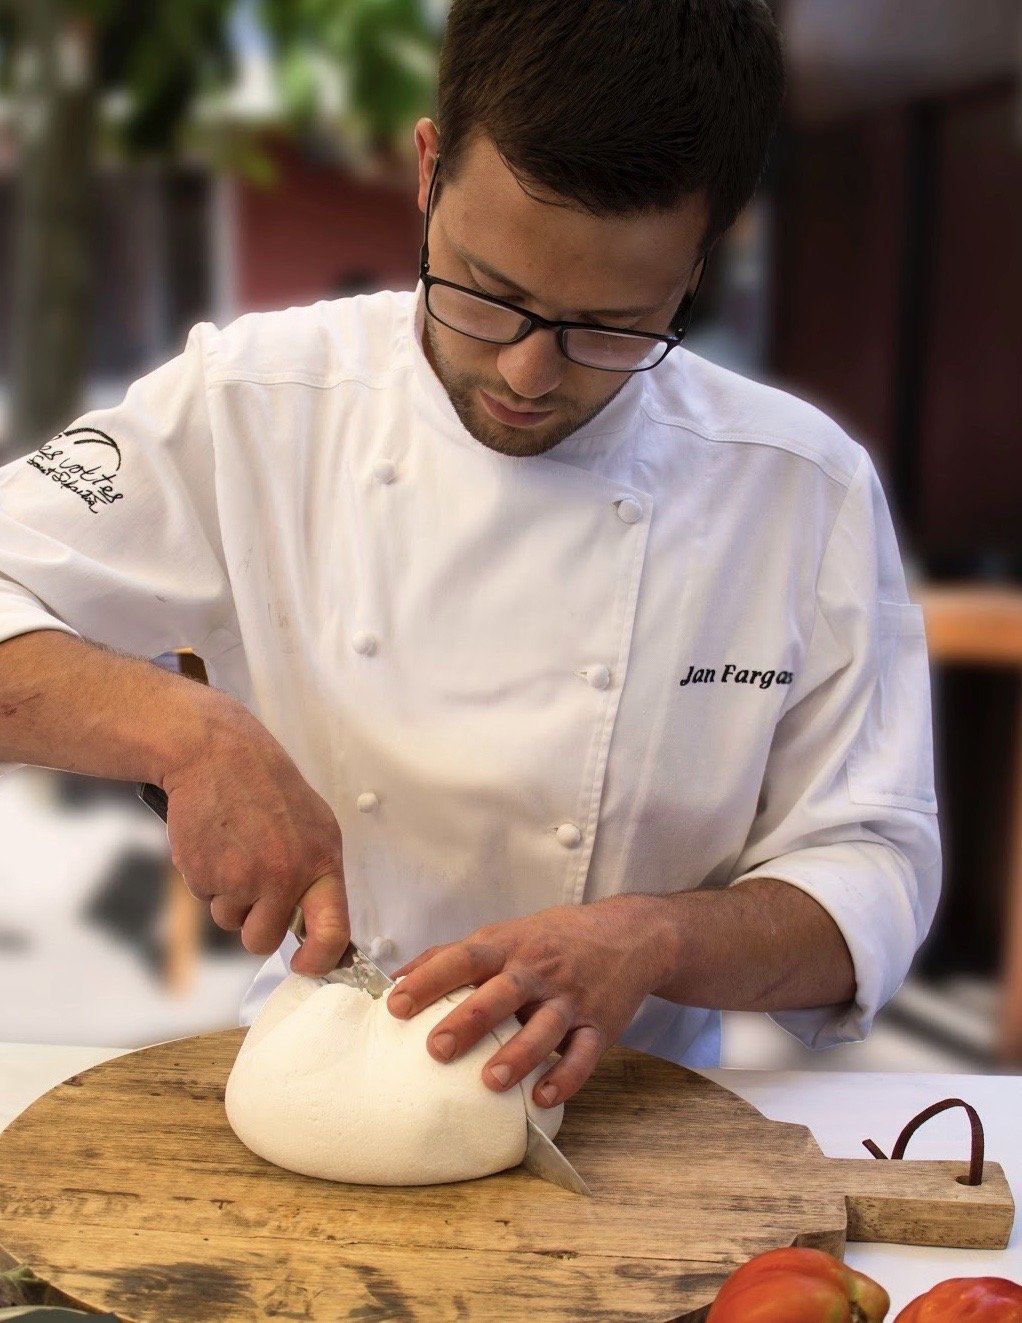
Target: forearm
(70, 704)
(762, 946)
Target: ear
(427, 146)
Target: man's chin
(502, 437)
(507, 440)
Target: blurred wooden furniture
(183, 935)
(973, 625)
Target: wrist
(762, 945)
(201, 725)
(657, 937)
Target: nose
(534, 366)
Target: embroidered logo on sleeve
(737, 675)
(84, 460)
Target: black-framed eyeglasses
(498, 322)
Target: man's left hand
(574, 976)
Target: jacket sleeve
(111, 531)
(848, 811)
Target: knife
(542, 1156)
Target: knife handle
(297, 924)
(155, 798)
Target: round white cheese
(330, 1084)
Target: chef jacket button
(367, 802)
(598, 676)
(569, 835)
(380, 948)
(364, 643)
(628, 510)
(384, 471)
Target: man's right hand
(247, 831)
(251, 836)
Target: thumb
(327, 929)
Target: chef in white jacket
(546, 657)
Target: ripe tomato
(967, 1300)
(798, 1286)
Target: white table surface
(841, 1108)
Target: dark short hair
(616, 106)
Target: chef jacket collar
(600, 438)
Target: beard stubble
(463, 391)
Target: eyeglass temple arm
(424, 250)
(680, 320)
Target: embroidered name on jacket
(85, 461)
(732, 674)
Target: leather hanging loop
(977, 1147)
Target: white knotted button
(598, 676)
(380, 948)
(367, 802)
(629, 511)
(569, 835)
(384, 471)
(364, 643)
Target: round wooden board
(126, 1188)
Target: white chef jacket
(674, 652)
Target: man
(596, 656)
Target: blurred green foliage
(386, 50)
(162, 57)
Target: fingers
(327, 928)
(583, 1049)
(547, 1029)
(228, 913)
(264, 925)
(420, 959)
(473, 1018)
(529, 1048)
(443, 970)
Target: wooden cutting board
(126, 1188)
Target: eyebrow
(491, 271)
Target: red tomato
(967, 1300)
(798, 1286)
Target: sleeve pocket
(891, 762)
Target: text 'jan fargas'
(732, 673)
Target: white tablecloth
(841, 1108)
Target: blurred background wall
(171, 163)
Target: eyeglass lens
(478, 317)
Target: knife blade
(354, 967)
(544, 1159)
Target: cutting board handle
(925, 1203)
